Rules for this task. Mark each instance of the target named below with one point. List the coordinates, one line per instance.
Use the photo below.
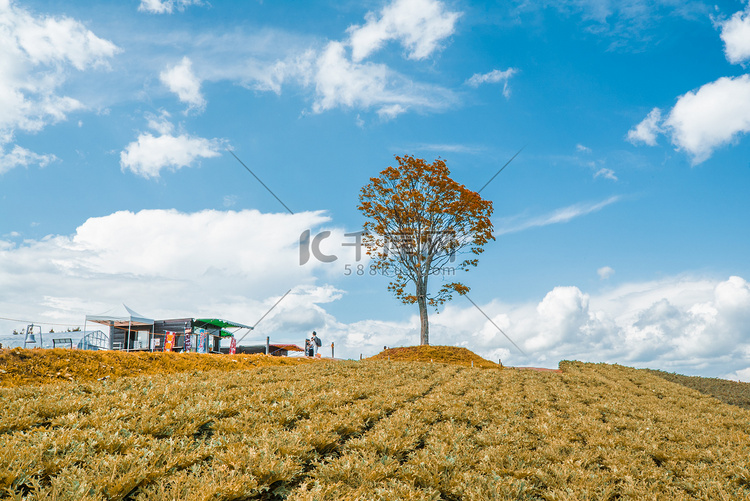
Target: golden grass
(730, 392)
(438, 354)
(22, 367)
(373, 430)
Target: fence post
(268, 344)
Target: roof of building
(221, 324)
(121, 317)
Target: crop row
(251, 431)
(596, 433)
(373, 430)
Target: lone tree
(418, 221)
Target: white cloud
(419, 25)
(52, 41)
(494, 76)
(563, 215)
(735, 33)
(561, 316)
(270, 61)
(701, 121)
(606, 173)
(165, 6)
(742, 375)
(160, 123)
(264, 72)
(583, 149)
(391, 111)
(647, 130)
(36, 55)
(340, 82)
(181, 80)
(149, 154)
(605, 272)
(714, 115)
(676, 324)
(257, 249)
(19, 156)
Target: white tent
(121, 318)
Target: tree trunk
(424, 336)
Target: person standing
(316, 342)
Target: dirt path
(537, 369)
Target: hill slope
(730, 392)
(437, 354)
(23, 367)
(373, 429)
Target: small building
(199, 335)
(128, 330)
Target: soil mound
(438, 354)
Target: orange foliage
(418, 220)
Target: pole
(268, 344)
(332, 349)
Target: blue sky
(621, 226)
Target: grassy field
(730, 392)
(372, 430)
(24, 367)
